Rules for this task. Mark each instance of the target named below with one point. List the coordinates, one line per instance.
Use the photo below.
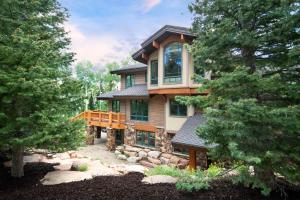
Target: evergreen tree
(252, 109)
(37, 92)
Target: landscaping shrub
(81, 167)
(164, 170)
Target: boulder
(166, 155)
(64, 156)
(34, 158)
(121, 157)
(174, 160)
(159, 179)
(142, 154)
(64, 165)
(182, 163)
(57, 177)
(117, 152)
(132, 149)
(72, 154)
(147, 164)
(154, 154)
(97, 169)
(164, 160)
(120, 148)
(154, 161)
(133, 159)
(136, 168)
(147, 150)
(130, 153)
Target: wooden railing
(103, 119)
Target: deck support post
(111, 139)
(193, 159)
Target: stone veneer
(111, 139)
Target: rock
(159, 179)
(49, 155)
(142, 154)
(154, 154)
(147, 164)
(34, 158)
(130, 154)
(174, 160)
(183, 163)
(57, 177)
(121, 157)
(133, 159)
(64, 165)
(117, 152)
(120, 148)
(166, 155)
(136, 168)
(132, 149)
(154, 161)
(64, 156)
(95, 168)
(164, 160)
(72, 154)
(147, 150)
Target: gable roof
(187, 135)
(159, 36)
(134, 91)
(131, 68)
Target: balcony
(103, 119)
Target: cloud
(99, 49)
(149, 4)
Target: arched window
(173, 63)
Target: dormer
(170, 66)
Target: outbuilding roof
(187, 135)
(131, 68)
(159, 36)
(134, 91)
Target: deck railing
(103, 119)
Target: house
(144, 113)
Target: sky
(104, 31)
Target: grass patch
(164, 170)
(82, 167)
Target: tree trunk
(17, 161)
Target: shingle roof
(134, 91)
(187, 135)
(130, 68)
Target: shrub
(82, 167)
(164, 170)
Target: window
(139, 110)
(177, 149)
(173, 63)
(177, 109)
(145, 138)
(129, 81)
(154, 72)
(115, 104)
(119, 137)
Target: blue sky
(103, 31)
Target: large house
(144, 113)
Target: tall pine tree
(37, 91)
(252, 109)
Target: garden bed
(116, 187)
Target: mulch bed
(127, 187)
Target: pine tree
(37, 92)
(252, 109)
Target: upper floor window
(154, 72)
(139, 110)
(115, 104)
(177, 109)
(173, 63)
(129, 80)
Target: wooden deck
(103, 119)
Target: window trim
(118, 105)
(131, 80)
(152, 61)
(181, 66)
(176, 115)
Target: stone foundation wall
(90, 134)
(111, 139)
(129, 135)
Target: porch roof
(130, 69)
(187, 135)
(134, 91)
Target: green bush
(82, 168)
(164, 170)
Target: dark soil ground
(127, 187)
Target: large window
(154, 72)
(115, 104)
(145, 138)
(139, 110)
(129, 80)
(173, 63)
(177, 109)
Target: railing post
(110, 119)
(118, 117)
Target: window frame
(176, 79)
(131, 80)
(136, 111)
(150, 136)
(178, 109)
(151, 72)
(113, 106)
